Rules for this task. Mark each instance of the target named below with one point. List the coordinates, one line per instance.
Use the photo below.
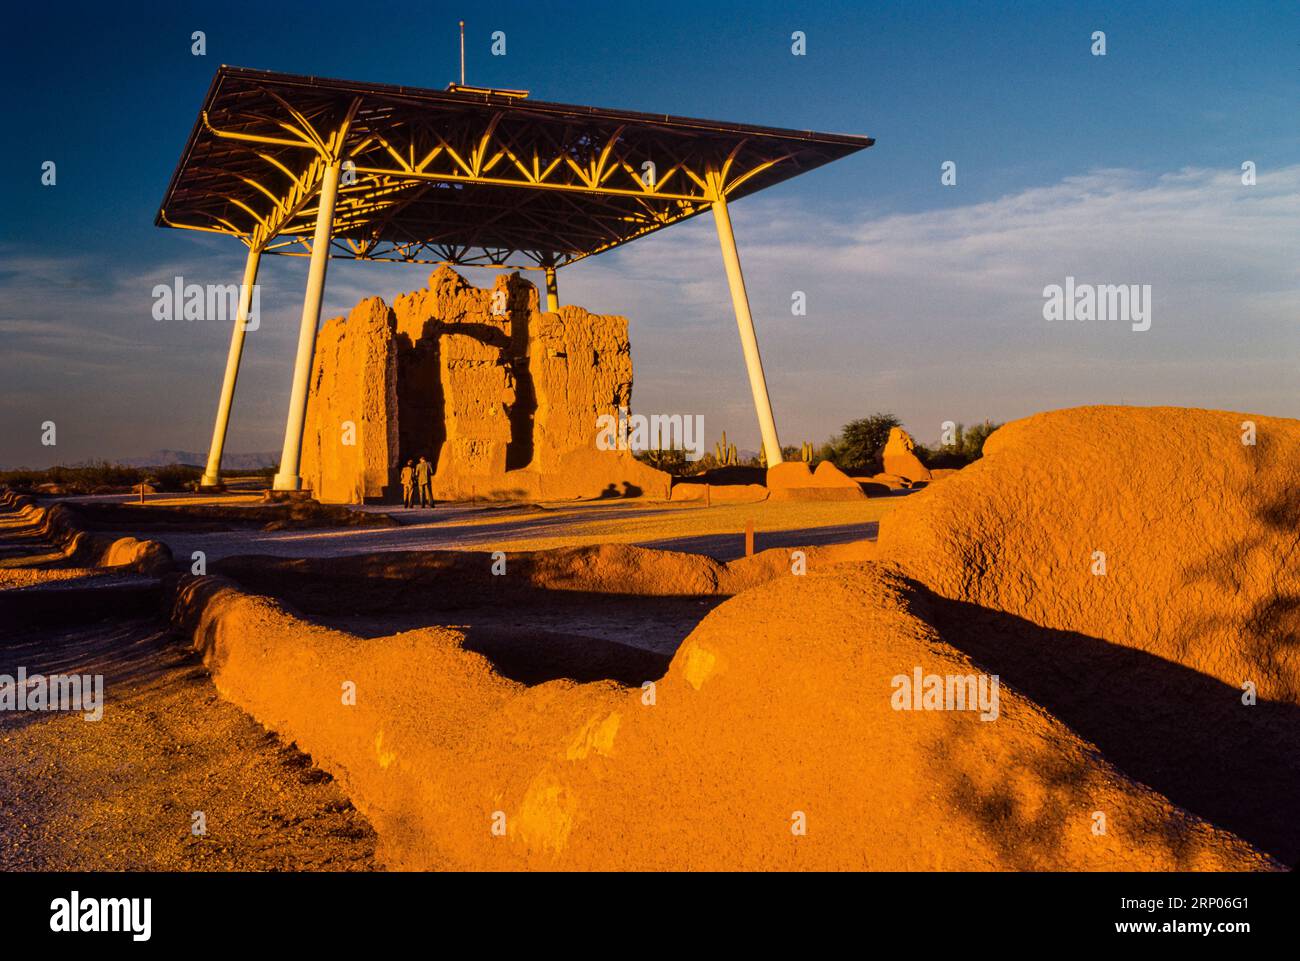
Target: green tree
(862, 440)
(967, 446)
(974, 437)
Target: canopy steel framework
(304, 166)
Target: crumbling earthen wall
(900, 458)
(350, 446)
(501, 398)
(583, 366)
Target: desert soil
(717, 531)
(120, 793)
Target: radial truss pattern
(460, 177)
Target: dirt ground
(120, 793)
(522, 692)
(717, 531)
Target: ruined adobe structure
(500, 397)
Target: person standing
(424, 481)
(408, 484)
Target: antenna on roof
(462, 87)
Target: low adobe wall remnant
(64, 528)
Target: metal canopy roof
(462, 177)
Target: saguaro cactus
(724, 455)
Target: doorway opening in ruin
(519, 450)
(421, 407)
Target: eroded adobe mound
(776, 711)
(1157, 529)
(1122, 570)
(780, 705)
(433, 580)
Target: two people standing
(417, 477)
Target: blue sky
(923, 299)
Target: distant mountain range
(164, 458)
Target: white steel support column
(745, 322)
(552, 291)
(212, 474)
(287, 479)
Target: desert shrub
(21, 479)
(708, 461)
(174, 477)
(79, 480)
(99, 474)
(967, 447)
(828, 450)
(974, 438)
(674, 461)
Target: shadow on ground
(729, 547)
(532, 626)
(1183, 733)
